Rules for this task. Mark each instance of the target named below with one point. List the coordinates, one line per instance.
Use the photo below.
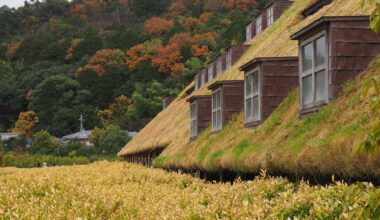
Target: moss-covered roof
(280, 143)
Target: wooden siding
(352, 46)
(203, 113)
(232, 99)
(279, 8)
(278, 78)
(167, 101)
(237, 51)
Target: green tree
(59, 101)
(44, 143)
(111, 141)
(89, 45)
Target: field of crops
(106, 190)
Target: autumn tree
(157, 26)
(177, 7)
(103, 59)
(116, 113)
(25, 123)
(169, 60)
(142, 53)
(70, 50)
(79, 11)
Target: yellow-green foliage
(106, 190)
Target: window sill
(312, 109)
(252, 124)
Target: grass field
(114, 190)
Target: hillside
(320, 145)
(116, 60)
(124, 191)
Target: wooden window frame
(210, 73)
(196, 82)
(248, 32)
(215, 110)
(229, 58)
(259, 24)
(252, 96)
(314, 70)
(193, 120)
(270, 13)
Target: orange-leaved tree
(157, 25)
(25, 123)
(177, 7)
(169, 60)
(141, 53)
(103, 59)
(70, 51)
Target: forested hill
(111, 60)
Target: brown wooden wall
(145, 158)
(223, 58)
(352, 47)
(204, 113)
(264, 24)
(278, 78)
(232, 100)
(167, 101)
(279, 8)
(237, 51)
(213, 64)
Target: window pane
(320, 87)
(255, 83)
(256, 111)
(248, 32)
(320, 46)
(248, 110)
(307, 57)
(248, 85)
(307, 93)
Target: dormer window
(193, 120)
(248, 32)
(210, 71)
(229, 58)
(314, 76)
(216, 110)
(252, 97)
(259, 23)
(270, 17)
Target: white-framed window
(270, 16)
(210, 71)
(229, 58)
(259, 23)
(314, 80)
(196, 82)
(193, 120)
(248, 32)
(216, 110)
(252, 111)
(219, 66)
